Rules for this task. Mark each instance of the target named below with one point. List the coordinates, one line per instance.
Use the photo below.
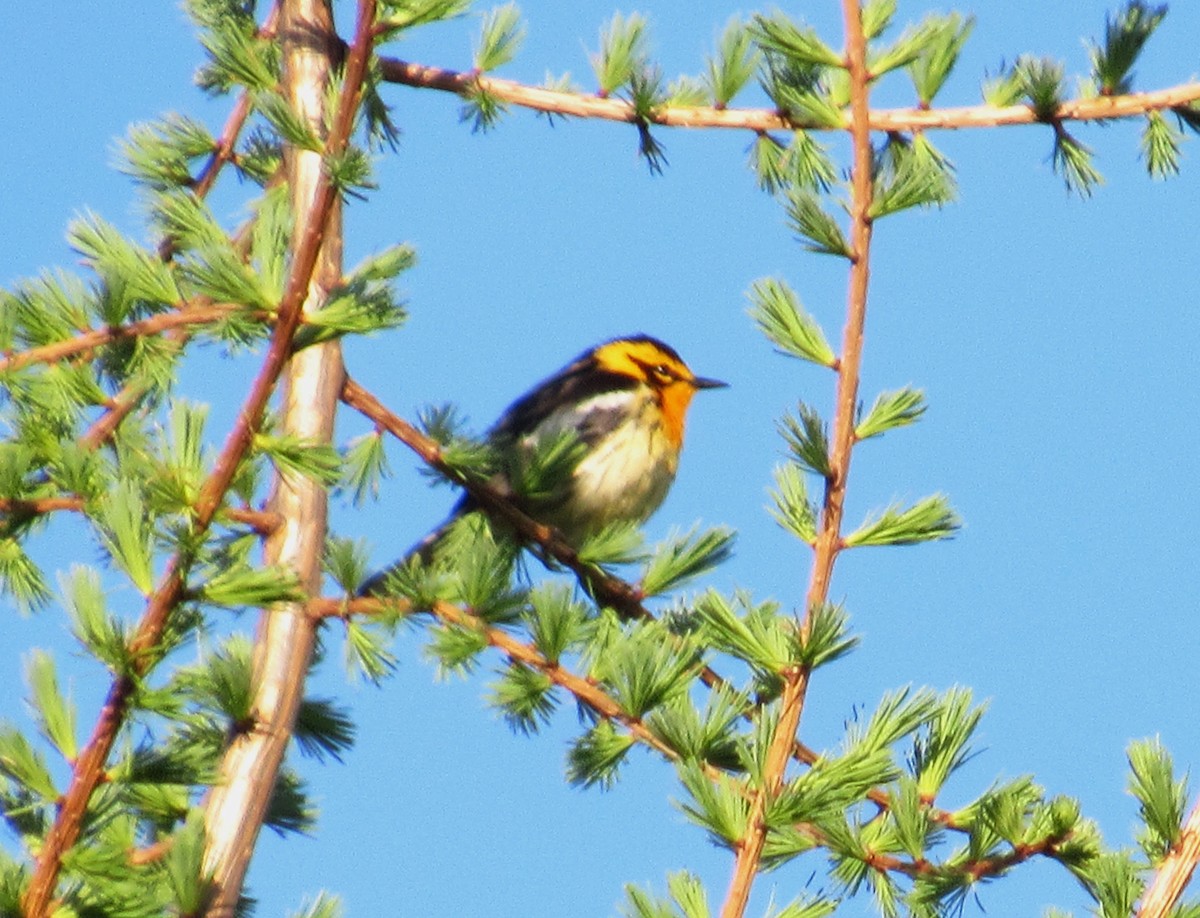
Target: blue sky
(1055, 339)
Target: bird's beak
(701, 382)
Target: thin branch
(89, 766)
(1175, 872)
(249, 771)
(83, 344)
(748, 862)
(559, 102)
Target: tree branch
(559, 102)
(283, 649)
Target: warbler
(625, 402)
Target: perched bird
(625, 402)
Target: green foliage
(793, 510)
(808, 439)
(776, 310)
(733, 65)
(364, 303)
(929, 519)
(817, 229)
(1073, 161)
(595, 758)
(891, 410)
(500, 37)
(685, 557)
(161, 154)
(697, 735)
(943, 41)
(364, 466)
(55, 714)
(622, 52)
(1160, 796)
(910, 174)
(398, 15)
(798, 43)
(525, 696)
(1160, 145)
(1125, 34)
(718, 805)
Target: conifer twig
(1175, 872)
(748, 860)
(89, 766)
(237, 806)
(581, 105)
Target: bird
(624, 402)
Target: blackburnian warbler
(625, 403)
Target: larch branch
(582, 105)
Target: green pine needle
(1160, 146)
(929, 519)
(911, 174)
(877, 15)
(184, 865)
(944, 43)
(366, 652)
(616, 543)
(481, 109)
(126, 530)
(763, 638)
(100, 633)
(1004, 89)
(455, 649)
(704, 736)
(891, 410)
(119, 261)
(817, 229)
(733, 65)
(798, 43)
(365, 466)
(1041, 82)
(1161, 797)
(160, 154)
(22, 764)
(684, 557)
(828, 637)
(323, 729)
(808, 439)
(942, 747)
(1125, 34)
(290, 124)
(557, 623)
(500, 37)
(647, 668)
(1073, 161)
(319, 461)
(777, 311)
(720, 806)
(55, 714)
(398, 15)
(622, 52)
(793, 510)
(323, 905)
(242, 586)
(21, 578)
(686, 91)
(525, 697)
(595, 758)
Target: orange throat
(674, 401)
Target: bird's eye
(662, 372)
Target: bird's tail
(465, 528)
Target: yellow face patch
(644, 360)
